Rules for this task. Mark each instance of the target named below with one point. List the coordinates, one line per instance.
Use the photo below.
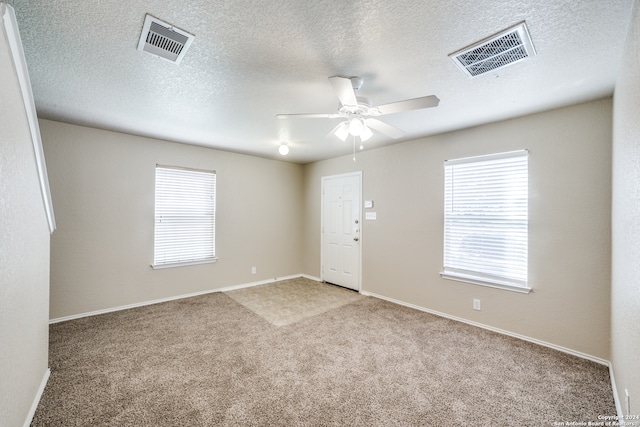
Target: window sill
(484, 282)
(182, 264)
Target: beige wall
(24, 256)
(625, 320)
(102, 185)
(569, 231)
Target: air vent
(164, 40)
(502, 49)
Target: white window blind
(185, 209)
(486, 220)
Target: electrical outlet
(476, 304)
(253, 270)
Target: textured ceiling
(251, 60)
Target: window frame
(516, 211)
(198, 180)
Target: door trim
(322, 181)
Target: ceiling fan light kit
(365, 133)
(360, 115)
(355, 127)
(342, 131)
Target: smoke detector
(505, 48)
(164, 40)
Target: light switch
(368, 204)
(370, 215)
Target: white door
(341, 225)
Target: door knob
(356, 238)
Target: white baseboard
(616, 398)
(36, 399)
(177, 297)
(491, 328)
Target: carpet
(209, 361)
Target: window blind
(185, 205)
(486, 219)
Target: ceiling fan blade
(384, 128)
(344, 90)
(308, 116)
(409, 104)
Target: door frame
(322, 184)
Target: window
(486, 220)
(185, 216)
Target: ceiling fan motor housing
(356, 83)
(362, 109)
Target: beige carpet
(208, 361)
(286, 302)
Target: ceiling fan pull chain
(354, 148)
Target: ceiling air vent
(502, 49)
(164, 40)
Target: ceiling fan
(360, 115)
